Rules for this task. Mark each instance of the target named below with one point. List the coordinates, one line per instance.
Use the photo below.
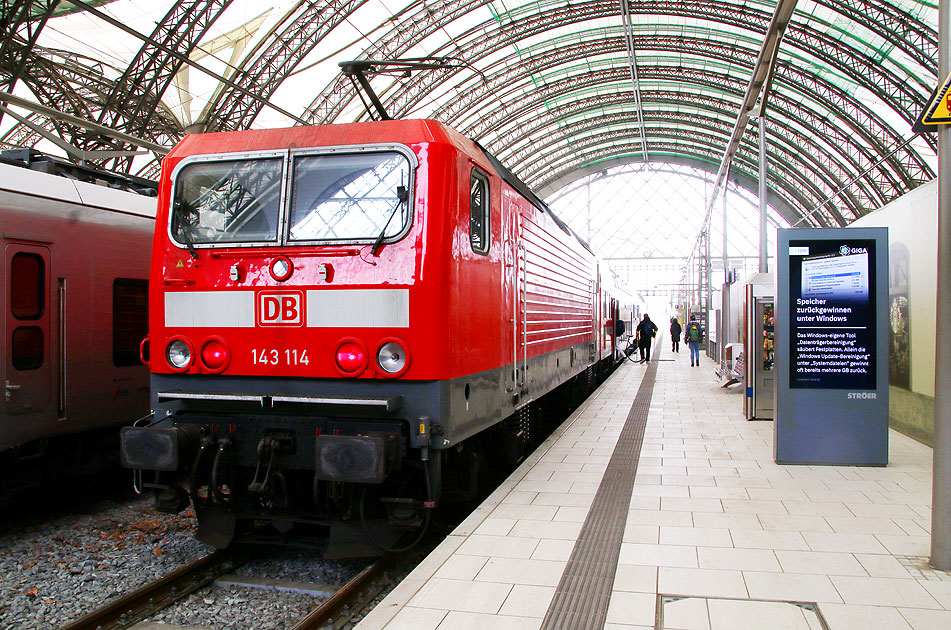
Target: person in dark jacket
(675, 330)
(645, 333)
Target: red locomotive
(344, 319)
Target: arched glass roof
(547, 85)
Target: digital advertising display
(831, 346)
(832, 324)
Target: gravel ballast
(54, 570)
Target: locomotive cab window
(228, 201)
(350, 197)
(479, 212)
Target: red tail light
(215, 354)
(351, 357)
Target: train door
(27, 363)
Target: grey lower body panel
(450, 411)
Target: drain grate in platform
(709, 613)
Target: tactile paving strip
(584, 592)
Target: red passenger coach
(341, 315)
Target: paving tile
(794, 523)
(880, 565)
(410, 618)
(733, 506)
(711, 520)
(631, 608)
(559, 550)
(921, 619)
(518, 571)
(635, 578)
(864, 617)
(562, 499)
(528, 601)
(461, 595)
(461, 567)
(695, 536)
(738, 559)
(475, 621)
(854, 525)
(768, 539)
(848, 543)
(941, 591)
(658, 555)
(701, 582)
(820, 562)
(905, 545)
(498, 546)
(544, 529)
(659, 517)
(884, 592)
(790, 587)
(649, 534)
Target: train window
(130, 320)
(350, 197)
(27, 286)
(236, 201)
(479, 212)
(27, 348)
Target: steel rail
(347, 593)
(143, 602)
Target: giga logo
(284, 308)
(863, 396)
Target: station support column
(941, 488)
(763, 254)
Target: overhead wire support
(360, 71)
(632, 57)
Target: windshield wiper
(401, 196)
(185, 233)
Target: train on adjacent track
(74, 280)
(349, 323)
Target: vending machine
(758, 340)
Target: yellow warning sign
(938, 110)
(180, 263)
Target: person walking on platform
(694, 336)
(675, 330)
(646, 330)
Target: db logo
(285, 308)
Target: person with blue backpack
(694, 336)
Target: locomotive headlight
(351, 357)
(179, 354)
(392, 357)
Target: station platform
(715, 534)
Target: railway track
(145, 601)
(346, 603)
